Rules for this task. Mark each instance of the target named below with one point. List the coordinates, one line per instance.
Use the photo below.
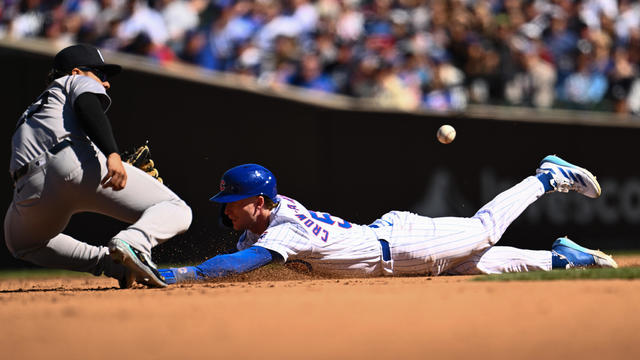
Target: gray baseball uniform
(62, 177)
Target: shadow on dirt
(56, 289)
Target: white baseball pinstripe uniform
(418, 244)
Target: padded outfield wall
(343, 157)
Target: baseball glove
(141, 158)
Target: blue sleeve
(221, 265)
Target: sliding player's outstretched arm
(222, 265)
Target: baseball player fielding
(63, 144)
(446, 134)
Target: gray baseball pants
(68, 183)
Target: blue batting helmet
(244, 181)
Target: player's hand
(116, 177)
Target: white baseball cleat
(140, 264)
(566, 176)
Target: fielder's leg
(42, 205)
(46, 199)
(156, 214)
(42, 244)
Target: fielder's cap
(83, 55)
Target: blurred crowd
(410, 54)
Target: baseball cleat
(578, 256)
(566, 176)
(142, 268)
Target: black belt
(24, 169)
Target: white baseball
(446, 134)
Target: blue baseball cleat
(566, 176)
(577, 256)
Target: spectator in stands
(310, 75)
(393, 91)
(562, 43)
(248, 63)
(482, 71)
(234, 27)
(356, 40)
(194, 50)
(533, 84)
(140, 16)
(349, 25)
(277, 21)
(305, 14)
(109, 39)
(628, 20)
(416, 72)
(363, 82)
(342, 67)
(621, 77)
(586, 86)
(28, 20)
(181, 16)
(445, 91)
(278, 67)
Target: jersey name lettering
(317, 230)
(312, 223)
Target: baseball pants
(68, 183)
(453, 245)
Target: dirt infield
(297, 316)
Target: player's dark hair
(268, 203)
(55, 74)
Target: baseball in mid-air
(446, 134)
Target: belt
(386, 252)
(24, 169)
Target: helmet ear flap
(224, 220)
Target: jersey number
(43, 100)
(326, 218)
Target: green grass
(629, 252)
(572, 274)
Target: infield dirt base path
(306, 318)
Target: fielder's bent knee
(185, 215)
(18, 251)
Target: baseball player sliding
(278, 228)
(65, 160)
